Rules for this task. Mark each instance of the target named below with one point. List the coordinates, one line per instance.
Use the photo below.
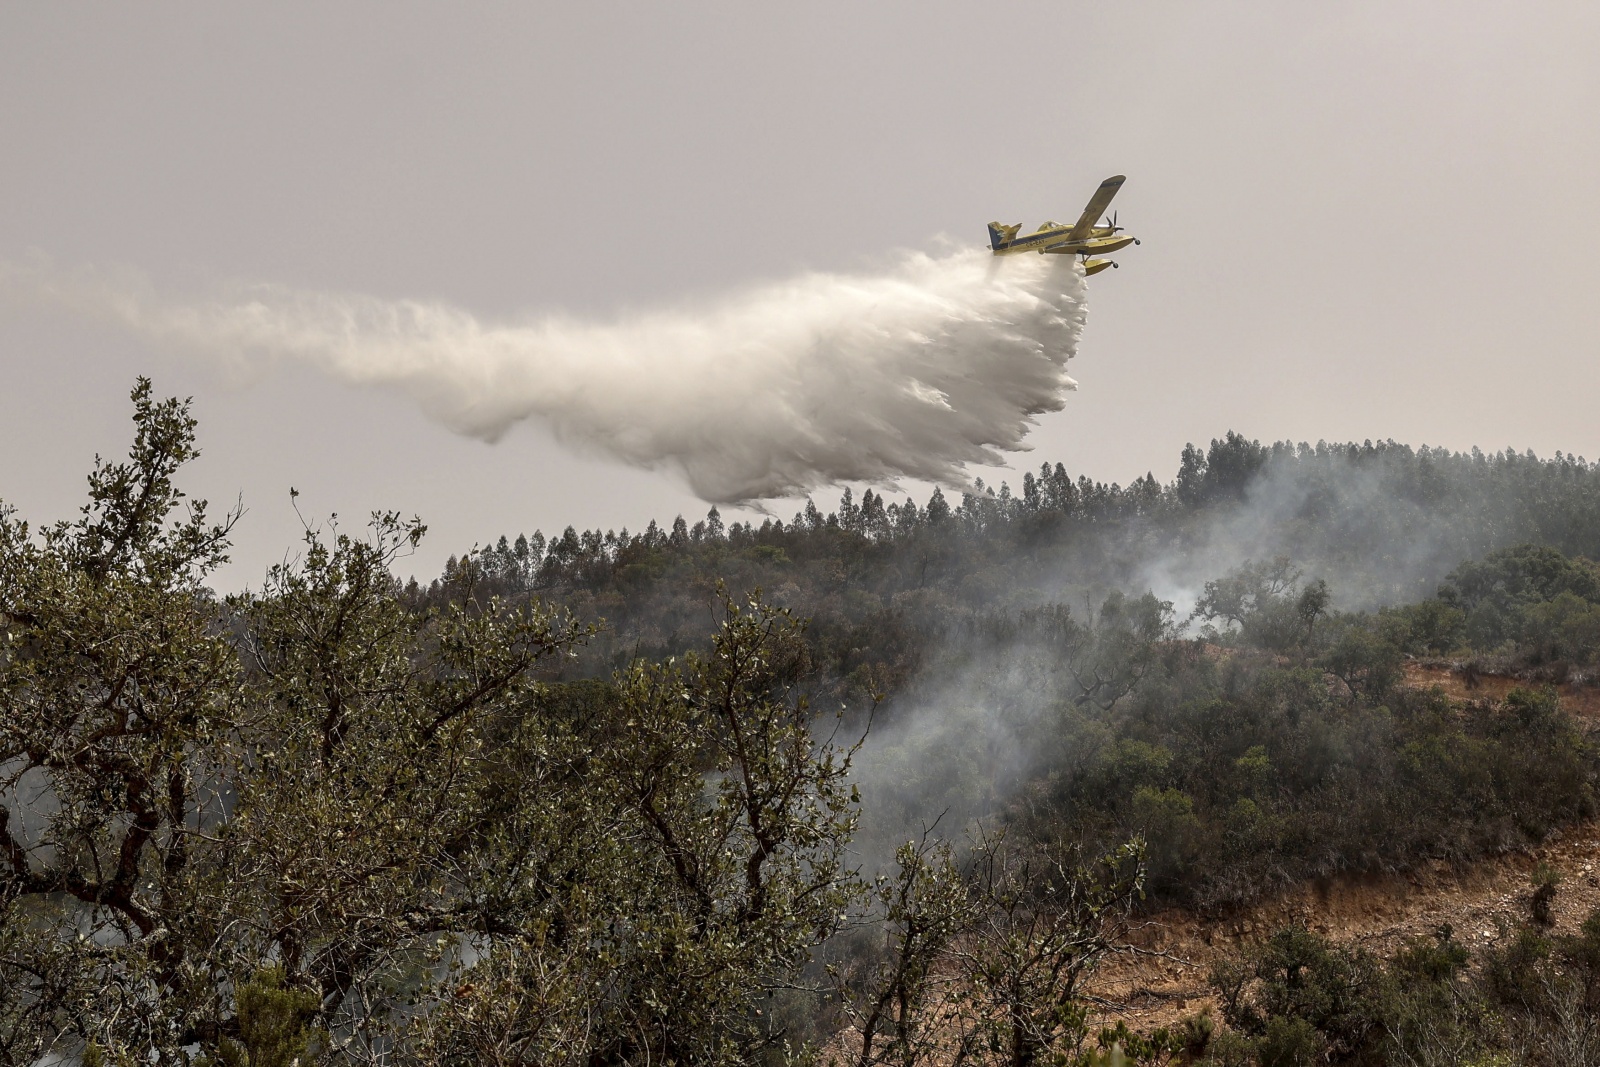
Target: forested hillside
(1382, 524)
(597, 800)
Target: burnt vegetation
(876, 785)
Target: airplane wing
(1097, 207)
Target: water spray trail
(916, 372)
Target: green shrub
(1511, 972)
(1440, 958)
(274, 1024)
(1289, 1042)
(1170, 827)
(1299, 975)
(1229, 1048)
(1545, 880)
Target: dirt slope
(1581, 700)
(1377, 912)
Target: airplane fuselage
(1059, 241)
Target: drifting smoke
(940, 362)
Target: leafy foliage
(346, 819)
(1299, 998)
(314, 821)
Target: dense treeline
(1282, 747)
(597, 802)
(1382, 523)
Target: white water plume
(916, 372)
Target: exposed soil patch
(1379, 913)
(1465, 685)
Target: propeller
(1113, 221)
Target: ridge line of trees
(1224, 475)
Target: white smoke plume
(915, 372)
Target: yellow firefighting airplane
(1084, 238)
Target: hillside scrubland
(884, 784)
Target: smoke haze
(915, 372)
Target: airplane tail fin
(1001, 235)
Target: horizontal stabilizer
(1001, 235)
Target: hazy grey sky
(1359, 219)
